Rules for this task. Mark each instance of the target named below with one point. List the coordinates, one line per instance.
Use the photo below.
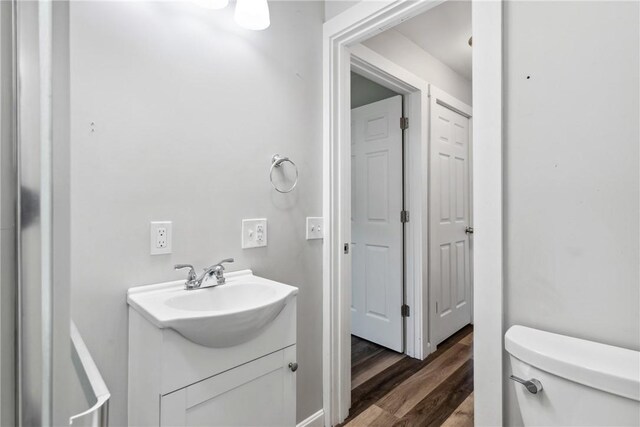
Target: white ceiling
(444, 32)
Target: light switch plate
(254, 233)
(315, 227)
(160, 237)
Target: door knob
(468, 230)
(293, 366)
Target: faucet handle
(192, 272)
(227, 260)
(217, 270)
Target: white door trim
(443, 98)
(487, 172)
(356, 24)
(379, 69)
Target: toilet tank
(584, 383)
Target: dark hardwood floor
(391, 389)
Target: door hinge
(405, 310)
(436, 307)
(346, 248)
(404, 216)
(404, 123)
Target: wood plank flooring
(391, 389)
(369, 359)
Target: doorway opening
(343, 36)
(377, 228)
(415, 70)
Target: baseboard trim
(315, 420)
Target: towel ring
(276, 161)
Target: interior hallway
(391, 389)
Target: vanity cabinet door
(258, 393)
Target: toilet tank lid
(612, 369)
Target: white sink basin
(220, 316)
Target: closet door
(450, 200)
(258, 393)
(376, 225)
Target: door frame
(440, 97)
(340, 34)
(414, 91)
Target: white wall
(188, 110)
(399, 49)
(336, 7)
(571, 178)
(365, 91)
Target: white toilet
(579, 382)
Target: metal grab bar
(92, 383)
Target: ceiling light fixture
(212, 4)
(252, 14)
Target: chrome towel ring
(276, 161)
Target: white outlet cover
(315, 227)
(160, 235)
(254, 233)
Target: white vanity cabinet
(173, 381)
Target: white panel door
(376, 227)
(449, 264)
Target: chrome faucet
(195, 282)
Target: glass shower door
(47, 374)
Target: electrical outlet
(254, 233)
(315, 228)
(160, 237)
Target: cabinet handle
(293, 366)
